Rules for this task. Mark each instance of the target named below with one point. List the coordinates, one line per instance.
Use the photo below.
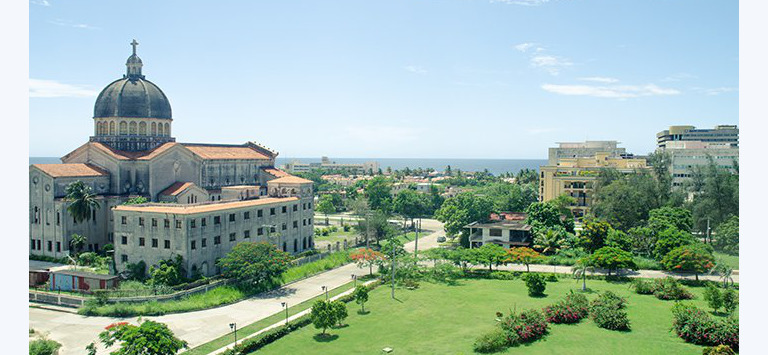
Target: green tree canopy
(695, 258)
(148, 338)
(715, 194)
(168, 272)
(727, 236)
(82, 201)
(323, 315)
(489, 254)
(612, 259)
(593, 234)
(523, 255)
(379, 193)
(661, 218)
(625, 201)
(669, 239)
(464, 208)
(256, 263)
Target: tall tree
(82, 202)
(257, 264)
(717, 198)
(148, 338)
(379, 193)
(325, 206)
(464, 208)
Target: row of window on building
(216, 219)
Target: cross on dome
(134, 44)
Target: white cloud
(72, 24)
(522, 2)
(52, 88)
(716, 91)
(550, 63)
(611, 91)
(523, 47)
(40, 2)
(416, 69)
(600, 79)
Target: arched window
(143, 128)
(295, 245)
(285, 246)
(159, 129)
(154, 128)
(112, 128)
(132, 128)
(304, 243)
(123, 128)
(167, 129)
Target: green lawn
(732, 260)
(337, 236)
(441, 319)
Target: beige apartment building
(576, 177)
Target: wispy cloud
(610, 91)
(679, 77)
(53, 88)
(415, 69)
(716, 91)
(522, 2)
(600, 79)
(65, 23)
(550, 63)
(40, 2)
(524, 47)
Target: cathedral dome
(132, 96)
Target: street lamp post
(285, 305)
(354, 278)
(233, 327)
(325, 289)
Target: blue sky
(407, 79)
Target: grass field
(441, 319)
(732, 260)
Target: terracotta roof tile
(176, 188)
(71, 170)
(275, 172)
(201, 208)
(290, 179)
(223, 152)
(123, 155)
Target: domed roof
(132, 97)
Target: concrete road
(75, 332)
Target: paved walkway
(75, 332)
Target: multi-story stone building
(721, 134)
(132, 153)
(367, 168)
(576, 177)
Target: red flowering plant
(366, 258)
(696, 326)
(524, 327)
(572, 309)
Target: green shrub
(696, 326)
(535, 283)
(730, 300)
(713, 296)
(643, 287)
(607, 311)
(43, 347)
(491, 342)
(670, 289)
(552, 277)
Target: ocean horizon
(494, 166)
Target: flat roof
(202, 207)
(85, 274)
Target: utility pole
(416, 245)
(709, 236)
(392, 245)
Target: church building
(203, 198)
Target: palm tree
(549, 240)
(725, 271)
(82, 202)
(77, 242)
(580, 270)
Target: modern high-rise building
(721, 134)
(689, 147)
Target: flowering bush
(524, 327)
(696, 326)
(572, 309)
(670, 289)
(719, 350)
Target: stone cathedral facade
(204, 198)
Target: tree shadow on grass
(543, 295)
(362, 313)
(340, 326)
(325, 338)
